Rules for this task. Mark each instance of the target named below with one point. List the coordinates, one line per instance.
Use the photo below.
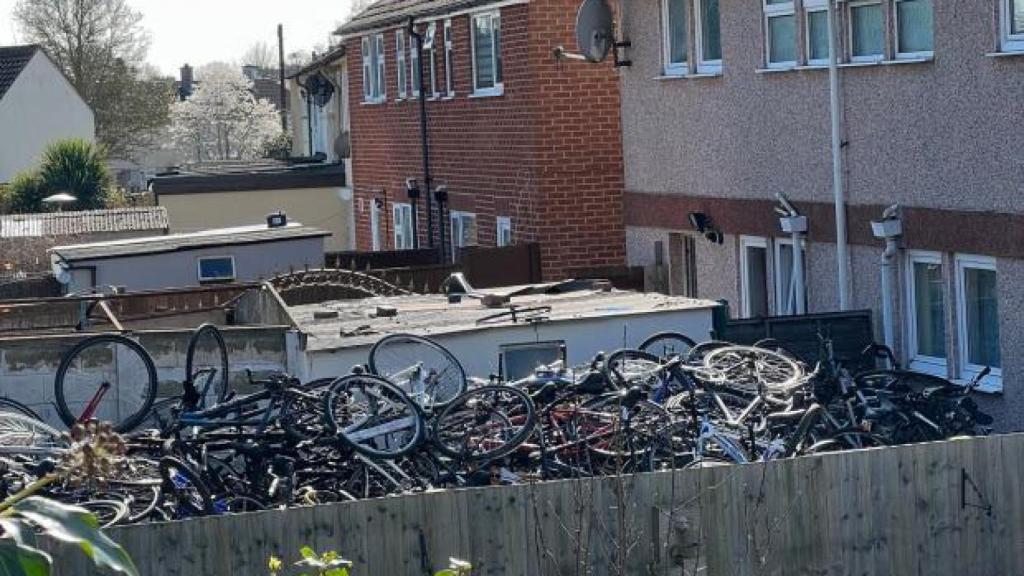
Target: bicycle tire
(523, 418)
(9, 405)
(402, 422)
(177, 478)
(148, 389)
(445, 367)
(651, 344)
(621, 365)
(221, 384)
(20, 434)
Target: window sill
(449, 97)
(373, 102)
(777, 69)
(866, 64)
(990, 385)
(1006, 54)
(488, 93)
(697, 76)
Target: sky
(201, 31)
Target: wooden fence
(943, 509)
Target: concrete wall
(325, 208)
(253, 262)
(477, 351)
(40, 107)
(28, 365)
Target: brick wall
(546, 153)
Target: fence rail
(951, 508)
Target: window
(217, 269)
(431, 47)
(817, 32)
(914, 28)
(375, 235)
(486, 29)
(504, 236)
(402, 214)
(372, 49)
(780, 27)
(785, 288)
(449, 67)
(754, 276)
(867, 38)
(1013, 25)
(978, 317)
(926, 312)
(414, 68)
(400, 64)
(463, 231)
(707, 44)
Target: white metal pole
(838, 191)
(800, 306)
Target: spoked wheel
(846, 440)
(422, 368)
(751, 369)
(183, 491)
(106, 377)
(206, 366)
(9, 405)
(107, 512)
(373, 416)
(485, 423)
(628, 367)
(20, 434)
(667, 345)
(625, 433)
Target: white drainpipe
(889, 228)
(838, 186)
(794, 224)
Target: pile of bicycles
(411, 420)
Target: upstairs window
(867, 38)
(780, 31)
(487, 73)
(1012, 25)
(372, 49)
(676, 45)
(400, 64)
(449, 68)
(816, 18)
(415, 71)
(709, 36)
(676, 34)
(430, 45)
(914, 28)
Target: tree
(222, 120)
(75, 167)
(97, 44)
(260, 55)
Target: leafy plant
(74, 167)
(332, 564)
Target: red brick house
(527, 146)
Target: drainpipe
(838, 186)
(890, 229)
(796, 225)
(428, 182)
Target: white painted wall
(40, 107)
(478, 350)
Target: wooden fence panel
(941, 509)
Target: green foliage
(332, 564)
(74, 167)
(279, 147)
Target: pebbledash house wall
(940, 137)
(546, 152)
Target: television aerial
(595, 35)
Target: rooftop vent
(277, 220)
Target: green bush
(75, 167)
(24, 194)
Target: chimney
(185, 87)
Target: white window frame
(432, 59)
(780, 298)
(669, 67)
(927, 364)
(375, 236)
(199, 269)
(504, 228)
(381, 62)
(458, 216)
(814, 7)
(400, 69)
(963, 262)
(499, 85)
(704, 66)
(415, 70)
(449, 59)
(849, 29)
(368, 79)
(401, 219)
(900, 54)
(1010, 42)
(775, 11)
(752, 242)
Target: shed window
(217, 269)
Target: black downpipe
(428, 181)
(309, 121)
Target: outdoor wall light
(699, 221)
(412, 188)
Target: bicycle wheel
(629, 367)
(20, 434)
(747, 368)
(485, 423)
(206, 365)
(8, 405)
(106, 377)
(666, 345)
(373, 416)
(424, 369)
(107, 512)
(183, 490)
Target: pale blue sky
(201, 31)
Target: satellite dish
(320, 89)
(594, 30)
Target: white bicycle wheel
(20, 434)
(748, 368)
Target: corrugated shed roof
(180, 242)
(13, 60)
(389, 12)
(85, 222)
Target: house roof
(13, 60)
(183, 242)
(385, 13)
(85, 222)
(249, 176)
(328, 57)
